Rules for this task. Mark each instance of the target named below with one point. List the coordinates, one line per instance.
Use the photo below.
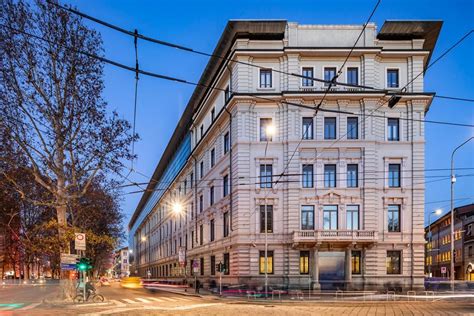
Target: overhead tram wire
(151, 180)
(315, 181)
(183, 81)
(194, 51)
(169, 78)
(202, 53)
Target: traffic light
(220, 267)
(84, 264)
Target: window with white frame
(393, 78)
(265, 78)
(352, 217)
(329, 74)
(265, 129)
(307, 72)
(308, 128)
(353, 75)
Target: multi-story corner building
(121, 263)
(438, 247)
(343, 190)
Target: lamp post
(437, 212)
(453, 180)
(269, 132)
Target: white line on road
(168, 299)
(31, 306)
(123, 310)
(155, 299)
(142, 300)
(129, 301)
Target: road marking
(129, 301)
(155, 299)
(142, 300)
(183, 299)
(31, 306)
(168, 299)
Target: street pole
(453, 180)
(220, 282)
(431, 243)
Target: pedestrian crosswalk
(149, 300)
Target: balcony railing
(334, 235)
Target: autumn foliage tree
(51, 102)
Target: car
(131, 283)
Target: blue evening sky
(198, 24)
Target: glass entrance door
(331, 270)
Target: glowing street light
(177, 208)
(143, 238)
(270, 130)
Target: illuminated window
(269, 262)
(394, 262)
(356, 262)
(304, 262)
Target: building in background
(342, 190)
(122, 263)
(438, 248)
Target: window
(226, 264)
(304, 262)
(329, 128)
(352, 175)
(307, 176)
(352, 128)
(202, 266)
(356, 257)
(201, 169)
(307, 72)
(226, 143)
(265, 78)
(353, 75)
(225, 183)
(394, 262)
(392, 78)
(266, 176)
(213, 157)
(393, 129)
(191, 180)
(269, 265)
(192, 239)
(202, 130)
(213, 114)
(211, 195)
(201, 234)
(226, 224)
(329, 176)
(185, 185)
(227, 94)
(213, 265)
(308, 131)
(307, 217)
(394, 218)
(330, 217)
(211, 229)
(394, 175)
(469, 251)
(329, 74)
(264, 129)
(352, 217)
(269, 209)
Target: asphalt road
(27, 300)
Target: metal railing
(312, 235)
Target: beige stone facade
(346, 204)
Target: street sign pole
(220, 283)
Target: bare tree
(51, 102)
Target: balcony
(334, 236)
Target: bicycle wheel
(98, 298)
(79, 298)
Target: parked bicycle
(91, 295)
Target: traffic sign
(68, 266)
(69, 258)
(80, 241)
(443, 270)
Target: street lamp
(436, 212)
(177, 208)
(270, 131)
(453, 180)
